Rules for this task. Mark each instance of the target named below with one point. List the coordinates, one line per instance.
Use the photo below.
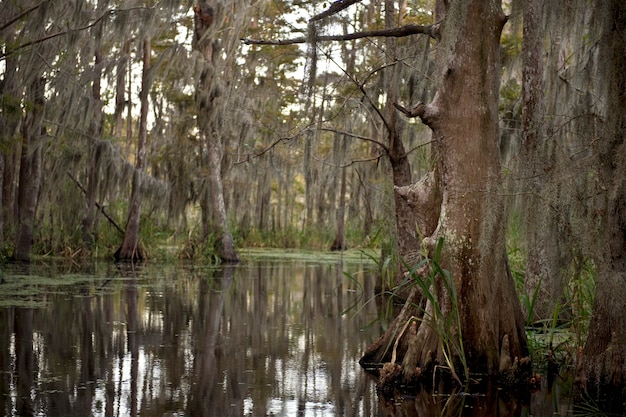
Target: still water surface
(272, 336)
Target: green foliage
(198, 247)
(313, 238)
(581, 296)
(553, 340)
(528, 302)
(385, 268)
(511, 43)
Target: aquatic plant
(444, 320)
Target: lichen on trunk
(602, 362)
(209, 105)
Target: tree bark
(207, 92)
(406, 233)
(95, 132)
(120, 89)
(545, 272)
(464, 119)
(30, 170)
(10, 89)
(9, 120)
(603, 360)
(131, 249)
(340, 238)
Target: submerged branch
(398, 32)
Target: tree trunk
(95, 132)
(263, 195)
(120, 89)
(545, 274)
(131, 248)
(10, 114)
(340, 238)
(406, 233)
(30, 170)
(603, 360)
(489, 333)
(206, 94)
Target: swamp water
(274, 335)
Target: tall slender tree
(546, 255)
(217, 29)
(9, 122)
(94, 135)
(30, 168)
(131, 246)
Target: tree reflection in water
(262, 338)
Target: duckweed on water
(352, 255)
(33, 290)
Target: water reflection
(261, 338)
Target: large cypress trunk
(488, 334)
(603, 360)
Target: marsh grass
(553, 339)
(427, 274)
(310, 238)
(382, 268)
(447, 324)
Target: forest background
(150, 129)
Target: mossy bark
(30, 169)
(602, 362)
(208, 92)
(131, 248)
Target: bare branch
(426, 112)
(398, 32)
(421, 145)
(354, 135)
(65, 32)
(358, 161)
(19, 16)
(98, 205)
(416, 111)
(285, 139)
(263, 151)
(334, 8)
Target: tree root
(514, 371)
